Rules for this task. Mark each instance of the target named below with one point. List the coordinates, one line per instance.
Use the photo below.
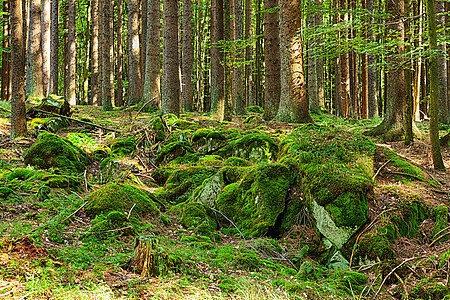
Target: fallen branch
(232, 223)
(392, 271)
(379, 169)
(404, 175)
(75, 120)
(440, 236)
(129, 213)
(72, 214)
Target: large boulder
(254, 147)
(55, 104)
(52, 151)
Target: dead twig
(72, 214)
(131, 210)
(404, 175)
(392, 271)
(379, 169)
(75, 120)
(403, 284)
(232, 223)
(440, 236)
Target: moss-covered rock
(236, 162)
(119, 197)
(20, 174)
(172, 151)
(209, 191)
(256, 202)
(403, 166)
(55, 104)
(255, 109)
(198, 215)
(8, 194)
(61, 181)
(335, 170)
(440, 215)
(182, 182)
(51, 150)
(159, 131)
(254, 147)
(123, 147)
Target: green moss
(349, 209)
(254, 147)
(53, 151)
(210, 160)
(158, 129)
(374, 246)
(404, 166)
(105, 224)
(21, 174)
(255, 110)
(256, 202)
(196, 215)
(440, 215)
(189, 159)
(182, 182)
(5, 192)
(123, 147)
(162, 174)
(409, 219)
(122, 198)
(236, 162)
(61, 181)
(172, 151)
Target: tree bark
(442, 65)
(143, 39)
(34, 88)
(294, 105)
(54, 48)
(392, 126)
(152, 61)
(18, 119)
(170, 102)
(46, 44)
(239, 104)
(72, 56)
(434, 89)
(408, 78)
(107, 54)
(217, 70)
(344, 65)
(248, 52)
(134, 61)
(186, 63)
(119, 70)
(372, 99)
(6, 57)
(272, 60)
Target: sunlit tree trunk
(372, 97)
(239, 104)
(408, 77)
(54, 48)
(34, 88)
(46, 44)
(119, 69)
(6, 57)
(442, 65)
(170, 92)
(217, 71)
(272, 60)
(134, 61)
(18, 119)
(71, 72)
(107, 54)
(248, 52)
(153, 66)
(434, 88)
(294, 105)
(344, 65)
(187, 55)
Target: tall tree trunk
(46, 44)
(434, 88)
(371, 71)
(217, 70)
(408, 77)
(72, 52)
(239, 104)
(344, 64)
(186, 63)
(294, 105)
(258, 95)
(54, 48)
(365, 74)
(392, 127)
(134, 62)
(144, 42)
(272, 59)
(6, 57)
(248, 52)
(18, 119)
(227, 24)
(119, 95)
(418, 86)
(152, 61)
(34, 88)
(170, 94)
(95, 53)
(444, 115)
(107, 54)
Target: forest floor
(35, 265)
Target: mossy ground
(70, 253)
